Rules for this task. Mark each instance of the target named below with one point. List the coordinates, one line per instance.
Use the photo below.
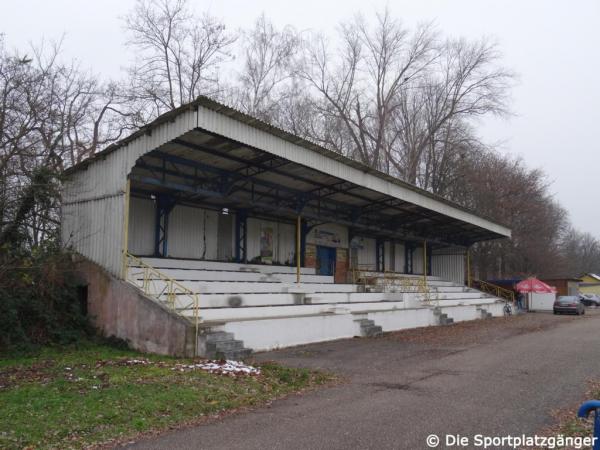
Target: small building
(564, 285)
(210, 218)
(590, 284)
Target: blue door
(325, 260)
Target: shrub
(39, 299)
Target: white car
(590, 299)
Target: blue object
(325, 260)
(584, 411)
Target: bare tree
(52, 115)
(267, 69)
(178, 54)
(504, 189)
(401, 96)
(360, 85)
(465, 82)
(581, 253)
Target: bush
(40, 300)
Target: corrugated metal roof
(242, 153)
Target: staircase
(369, 329)
(442, 318)
(260, 307)
(223, 345)
(485, 314)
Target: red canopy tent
(534, 285)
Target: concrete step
(218, 336)
(235, 355)
(414, 284)
(374, 331)
(267, 312)
(447, 321)
(217, 275)
(176, 263)
(390, 275)
(369, 329)
(442, 317)
(249, 287)
(276, 299)
(224, 346)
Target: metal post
(408, 268)
(425, 264)
(125, 229)
(241, 237)
(379, 255)
(468, 268)
(304, 233)
(298, 238)
(584, 411)
(164, 205)
(196, 306)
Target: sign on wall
(330, 235)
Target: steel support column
(468, 267)
(429, 259)
(408, 257)
(164, 205)
(379, 255)
(241, 236)
(303, 233)
(298, 246)
(425, 260)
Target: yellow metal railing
(363, 274)
(162, 288)
(493, 289)
(389, 279)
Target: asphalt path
(494, 378)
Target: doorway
(325, 260)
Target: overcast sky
(552, 45)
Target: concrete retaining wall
(118, 309)
(269, 334)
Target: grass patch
(89, 394)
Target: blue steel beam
(274, 208)
(356, 212)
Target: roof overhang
(232, 160)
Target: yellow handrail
(496, 290)
(161, 287)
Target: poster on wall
(266, 245)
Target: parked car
(590, 299)
(568, 304)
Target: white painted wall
(541, 302)
(270, 334)
(141, 226)
(449, 264)
(192, 233)
(366, 252)
(399, 256)
(394, 261)
(418, 261)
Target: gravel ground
(493, 377)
